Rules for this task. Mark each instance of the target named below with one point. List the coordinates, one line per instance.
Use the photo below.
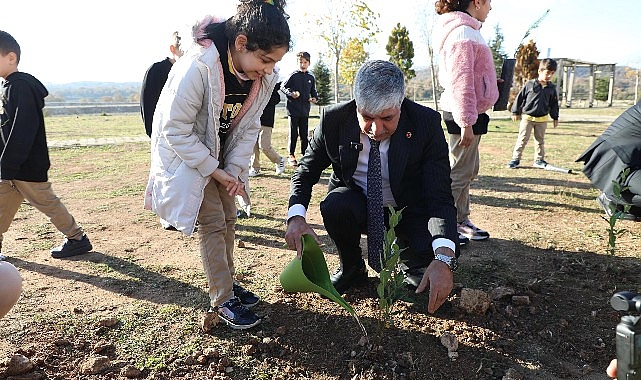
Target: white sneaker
(254, 172)
(280, 167)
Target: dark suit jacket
(419, 164)
(618, 148)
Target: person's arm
(23, 112)
(313, 93)
(435, 180)
(307, 174)
(517, 106)
(554, 108)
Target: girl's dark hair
(446, 6)
(264, 23)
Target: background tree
(323, 82)
(401, 51)
(526, 68)
(601, 88)
(427, 30)
(496, 46)
(344, 20)
(353, 57)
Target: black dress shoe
(345, 278)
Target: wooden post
(591, 87)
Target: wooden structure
(566, 75)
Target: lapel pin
(408, 135)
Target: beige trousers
(41, 196)
(216, 224)
(465, 166)
(264, 144)
(525, 130)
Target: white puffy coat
(185, 147)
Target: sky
(66, 41)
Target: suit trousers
(525, 130)
(264, 144)
(298, 127)
(465, 164)
(344, 214)
(41, 196)
(216, 224)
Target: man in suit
(415, 174)
(617, 149)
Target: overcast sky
(69, 40)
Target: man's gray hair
(379, 85)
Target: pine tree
(323, 82)
(401, 51)
(496, 46)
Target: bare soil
(136, 302)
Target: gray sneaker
(472, 232)
(541, 164)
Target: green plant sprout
(615, 212)
(390, 287)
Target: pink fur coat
(466, 68)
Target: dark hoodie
(23, 143)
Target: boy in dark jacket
(24, 156)
(536, 100)
(300, 89)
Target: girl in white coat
(204, 129)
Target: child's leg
(41, 196)
(213, 235)
(525, 128)
(293, 134)
(265, 143)
(255, 160)
(303, 127)
(11, 200)
(539, 136)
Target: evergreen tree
(323, 82)
(401, 51)
(496, 46)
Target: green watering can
(310, 274)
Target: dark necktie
(375, 216)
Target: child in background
(24, 157)
(205, 127)
(264, 142)
(537, 99)
(300, 89)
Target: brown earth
(139, 297)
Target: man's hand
(467, 135)
(440, 280)
(296, 227)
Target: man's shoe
(412, 277)
(607, 205)
(541, 164)
(247, 298)
(237, 316)
(280, 166)
(462, 240)
(72, 247)
(472, 232)
(513, 164)
(254, 172)
(292, 161)
(344, 279)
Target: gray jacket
(185, 147)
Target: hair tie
(271, 2)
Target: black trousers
(344, 214)
(298, 126)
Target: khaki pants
(264, 144)
(41, 196)
(216, 224)
(525, 129)
(465, 166)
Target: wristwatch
(451, 262)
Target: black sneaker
(2, 257)
(247, 298)
(72, 247)
(513, 164)
(237, 316)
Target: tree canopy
(401, 51)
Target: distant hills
(94, 92)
